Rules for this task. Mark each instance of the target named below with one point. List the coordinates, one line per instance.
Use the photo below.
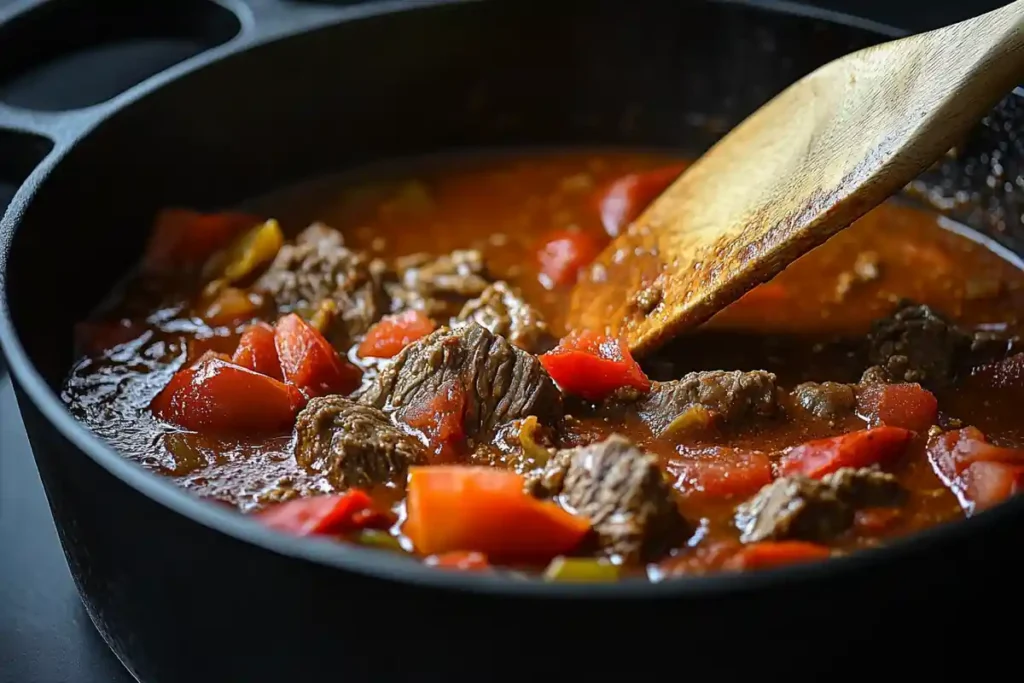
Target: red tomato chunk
(626, 198)
(309, 362)
(257, 351)
(722, 472)
(319, 515)
(898, 405)
(215, 395)
(563, 253)
(772, 554)
(441, 419)
(980, 474)
(868, 447)
(393, 333)
(593, 366)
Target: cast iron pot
(183, 590)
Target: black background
(45, 634)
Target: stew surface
(403, 378)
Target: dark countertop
(45, 634)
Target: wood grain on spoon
(806, 165)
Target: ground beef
(353, 444)
(318, 268)
(438, 285)
(798, 507)
(503, 310)
(498, 382)
(621, 491)
(917, 345)
(730, 395)
(826, 400)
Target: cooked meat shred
(918, 345)
(730, 395)
(318, 267)
(353, 444)
(499, 382)
(503, 310)
(438, 285)
(798, 507)
(826, 400)
(621, 491)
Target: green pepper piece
(581, 569)
(376, 538)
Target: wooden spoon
(807, 164)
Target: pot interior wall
(665, 74)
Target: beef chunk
(731, 395)
(319, 268)
(827, 400)
(438, 285)
(353, 444)
(917, 345)
(502, 310)
(621, 491)
(798, 507)
(865, 487)
(498, 382)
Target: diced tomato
(874, 520)
(257, 350)
(898, 405)
(707, 557)
(216, 395)
(722, 472)
(770, 554)
(563, 253)
(955, 451)
(979, 473)
(333, 514)
(394, 332)
(857, 449)
(440, 420)
(985, 484)
(183, 238)
(593, 365)
(463, 561)
(461, 508)
(626, 198)
(309, 362)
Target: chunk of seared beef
(918, 345)
(353, 444)
(732, 396)
(798, 507)
(318, 268)
(865, 487)
(438, 285)
(497, 381)
(621, 491)
(826, 400)
(503, 310)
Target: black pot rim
(386, 565)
